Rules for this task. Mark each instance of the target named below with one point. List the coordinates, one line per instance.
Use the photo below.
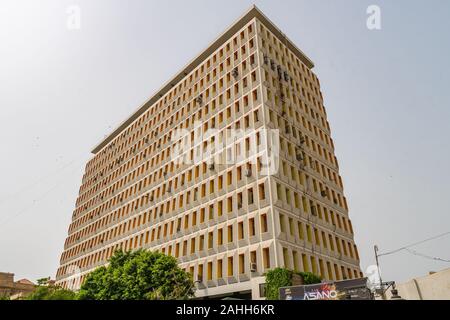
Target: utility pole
(375, 248)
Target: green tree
(43, 281)
(44, 291)
(138, 275)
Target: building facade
(14, 289)
(253, 102)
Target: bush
(281, 277)
(276, 279)
(309, 278)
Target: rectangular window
(241, 230)
(230, 234)
(220, 237)
(251, 227)
(210, 266)
(250, 196)
(241, 264)
(230, 266)
(262, 192)
(219, 269)
(266, 258)
(264, 223)
(210, 240)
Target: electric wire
(35, 201)
(426, 256)
(413, 244)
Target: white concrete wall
(432, 287)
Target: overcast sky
(386, 93)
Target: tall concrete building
(269, 195)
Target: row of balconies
(209, 174)
(236, 211)
(214, 198)
(291, 208)
(293, 121)
(215, 195)
(293, 240)
(317, 196)
(257, 124)
(318, 253)
(204, 229)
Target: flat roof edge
(252, 13)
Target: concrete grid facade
(227, 224)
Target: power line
(426, 256)
(41, 179)
(35, 201)
(413, 244)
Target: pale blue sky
(386, 94)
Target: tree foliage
(276, 279)
(281, 277)
(51, 292)
(138, 275)
(309, 278)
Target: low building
(14, 289)
(435, 286)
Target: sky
(386, 92)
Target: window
(305, 263)
(241, 230)
(262, 192)
(210, 240)
(230, 204)
(230, 266)
(220, 237)
(264, 223)
(282, 226)
(251, 227)
(192, 245)
(266, 258)
(200, 272)
(241, 264)
(253, 257)
(202, 242)
(220, 208)
(250, 196)
(286, 258)
(210, 266)
(219, 269)
(230, 234)
(295, 258)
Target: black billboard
(355, 289)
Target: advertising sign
(355, 289)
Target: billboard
(355, 289)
